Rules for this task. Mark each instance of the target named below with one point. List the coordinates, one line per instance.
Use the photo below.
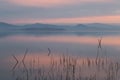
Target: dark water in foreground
(82, 44)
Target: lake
(44, 45)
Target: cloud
(52, 3)
(91, 19)
(58, 11)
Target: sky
(60, 11)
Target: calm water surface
(83, 45)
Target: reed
(68, 68)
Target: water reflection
(46, 33)
(58, 67)
(47, 50)
(106, 40)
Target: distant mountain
(80, 25)
(51, 27)
(30, 27)
(7, 27)
(96, 27)
(4, 24)
(39, 25)
(42, 27)
(101, 26)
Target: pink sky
(53, 3)
(91, 19)
(60, 11)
